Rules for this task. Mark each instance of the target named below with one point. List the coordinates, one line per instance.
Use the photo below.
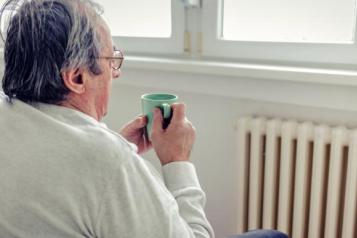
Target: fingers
(158, 120)
(137, 123)
(179, 112)
(178, 116)
(140, 121)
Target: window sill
(317, 75)
(246, 70)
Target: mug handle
(166, 110)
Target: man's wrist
(174, 159)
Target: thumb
(157, 120)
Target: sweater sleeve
(137, 203)
(181, 180)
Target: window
(314, 31)
(154, 26)
(137, 18)
(289, 31)
(281, 31)
(317, 21)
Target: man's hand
(175, 142)
(134, 133)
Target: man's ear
(74, 81)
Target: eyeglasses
(116, 60)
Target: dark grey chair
(261, 234)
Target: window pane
(138, 18)
(323, 21)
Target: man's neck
(80, 104)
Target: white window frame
(294, 53)
(156, 46)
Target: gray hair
(45, 38)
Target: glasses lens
(118, 60)
(117, 63)
(118, 53)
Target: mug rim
(145, 96)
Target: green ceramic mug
(162, 101)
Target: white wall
(213, 107)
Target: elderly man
(63, 173)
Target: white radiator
(298, 178)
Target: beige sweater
(65, 175)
